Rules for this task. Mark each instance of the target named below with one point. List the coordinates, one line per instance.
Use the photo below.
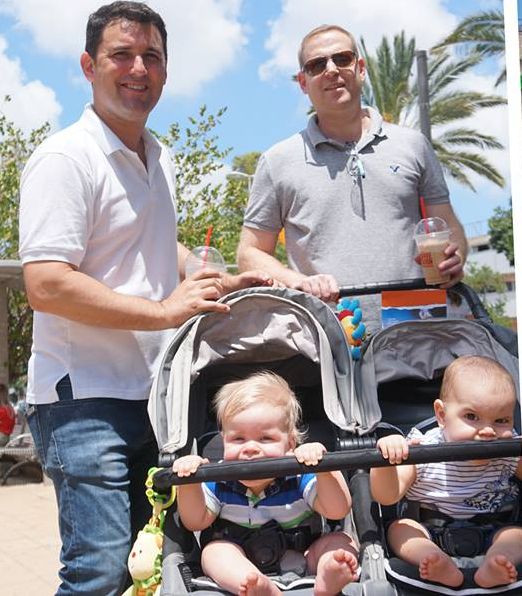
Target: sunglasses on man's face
(316, 66)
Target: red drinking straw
(207, 244)
(424, 214)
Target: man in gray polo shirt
(346, 189)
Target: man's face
(335, 88)
(128, 72)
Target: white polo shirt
(88, 200)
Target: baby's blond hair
(237, 396)
(484, 370)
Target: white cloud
(57, 27)
(428, 21)
(204, 37)
(25, 95)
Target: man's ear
(361, 65)
(440, 412)
(87, 64)
(301, 79)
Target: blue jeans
(97, 452)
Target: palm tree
(389, 86)
(389, 72)
(481, 33)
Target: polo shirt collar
(317, 137)
(109, 142)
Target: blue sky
(234, 53)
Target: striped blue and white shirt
(463, 489)
(288, 501)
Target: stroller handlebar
(342, 460)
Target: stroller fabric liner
(421, 350)
(266, 328)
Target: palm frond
(483, 32)
(454, 162)
(469, 136)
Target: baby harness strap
(265, 546)
(457, 537)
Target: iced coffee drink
(432, 238)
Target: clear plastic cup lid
(430, 225)
(205, 256)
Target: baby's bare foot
(495, 571)
(257, 584)
(439, 567)
(335, 570)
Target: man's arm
(60, 289)
(256, 251)
(457, 251)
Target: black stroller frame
(354, 430)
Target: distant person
(477, 403)
(259, 418)
(105, 275)
(7, 416)
(346, 189)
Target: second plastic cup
(432, 237)
(204, 257)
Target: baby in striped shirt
(477, 402)
(259, 418)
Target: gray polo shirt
(348, 209)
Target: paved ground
(29, 544)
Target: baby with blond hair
(259, 418)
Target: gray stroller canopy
(264, 325)
(417, 349)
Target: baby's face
(257, 432)
(477, 412)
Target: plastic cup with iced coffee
(432, 236)
(204, 257)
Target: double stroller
(345, 405)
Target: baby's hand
(309, 454)
(394, 448)
(188, 464)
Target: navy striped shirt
(288, 501)
(463, 489)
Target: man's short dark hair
(132, 11)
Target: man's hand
(197, 294)
(322, 285)
(248, 279)
(188, 465)
(452, 265)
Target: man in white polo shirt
(345, 189)
(102, 269)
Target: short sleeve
(308, 488)
(263, 211)
(56, 208)
(212, 503)
(433, 186)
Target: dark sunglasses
(316, 66)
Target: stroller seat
(288, 332)
(402, 368)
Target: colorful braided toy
(349, 314)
